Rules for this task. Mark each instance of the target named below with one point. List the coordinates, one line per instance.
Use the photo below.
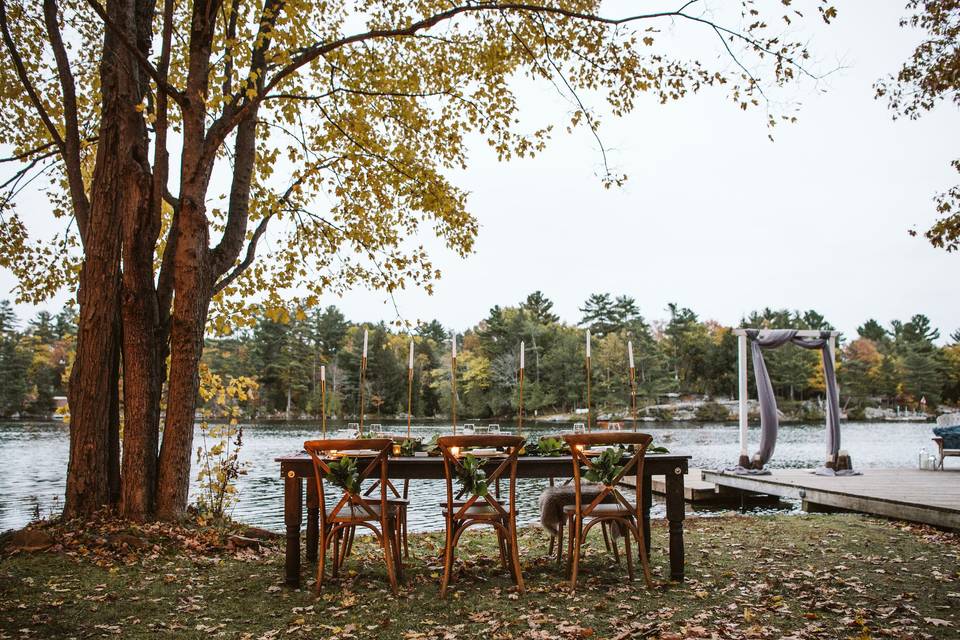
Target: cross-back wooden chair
(394, 498)
(461, 514)
(353, 509)
(609, 506)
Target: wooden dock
(694, 487)
(931, 497)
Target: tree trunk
(192, 283)
(114, 484)
(140, 226)
(93, 468)
(141, 376)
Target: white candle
(630, 353)
(323, 372)
(410, 365)
(521, 354)
(364, 343)
(453, 343)
(588, 343)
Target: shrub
(856, 413)
(712, 412)
(661, 413)
(218, 456)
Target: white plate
(484, 452)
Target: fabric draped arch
(769, 421)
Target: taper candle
(323, 372)
(453, 343)
(630, 352)
(588, 343)
(364, 343)
(410, 364)
(521, 354)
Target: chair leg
(560, 543)
(606, 536)
(502, 543)
(644, 560)
(322, 557)
(337, 560)
(345, 544)
(613, 542)
(353, 532)
(570, 541)
(406, 539)
(575, 533)
(447, 560)
(553, 539)
(397, 550)
(515, 556)
(385, 542)
(626, 543)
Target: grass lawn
(815, 576)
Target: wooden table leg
(647, 497)
(313, 520)
(292, 517)
(675, 515)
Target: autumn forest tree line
(897, 363)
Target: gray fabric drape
(769, 421)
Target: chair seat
(355, 512)
(476, 512)
(603, 510)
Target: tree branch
(241, 104)
(71, 147)
(160, 191)
(177, 95)
(225, 253)
(25, 78)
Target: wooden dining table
(295, 468)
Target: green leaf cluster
(606, 467)
(344, 474)
(551, 447)
(409, 446)
(471, 478)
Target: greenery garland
(606, 467)
(471, 478)
(344, 474)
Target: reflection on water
(33, 462)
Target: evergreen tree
(922, 377)
(598, 314)
(434, 331)
(329, 330)
(15, 359)
(42, 327)
(872, 330)
(538, 307)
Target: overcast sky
(714, 216)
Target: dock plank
(695, 489)
(931, 497)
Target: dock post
(742, 380)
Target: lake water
(33, 462)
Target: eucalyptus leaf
(471, 477)
(605, 468)
(344, 474)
